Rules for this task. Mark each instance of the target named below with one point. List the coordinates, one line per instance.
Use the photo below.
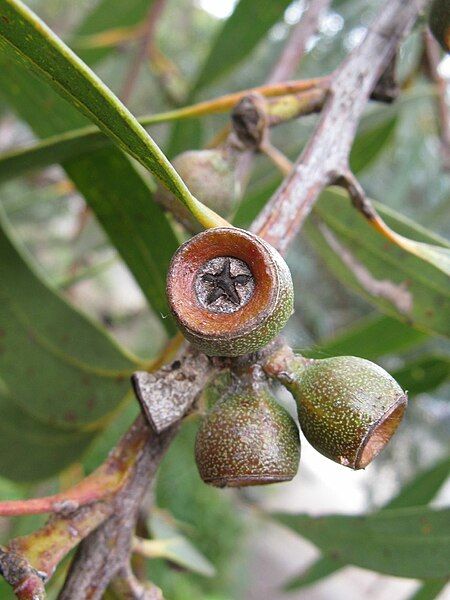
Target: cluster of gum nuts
(231, 293)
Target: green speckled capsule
(210, 176)
(247, 439)
(348, 407)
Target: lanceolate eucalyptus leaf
(398, 283)
(420, 491)
(412, 542)
(120, 198)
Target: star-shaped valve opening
(224, 284)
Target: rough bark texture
(105, 551)
(102, 554)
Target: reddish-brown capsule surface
(230, 292)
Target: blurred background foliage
(63, 405)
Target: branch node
(167, 395)
(387, 88)
(349, 182)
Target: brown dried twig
(105, 551)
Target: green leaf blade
(412, 542)
(321, 568)
(418, 492)
(109, 182)
(370, 338)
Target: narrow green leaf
(135, 224)
(370, 143)
(418, 492)
(107, 15)
(423, 488)
(55, 363)
(117, 193)
(370, 338)
(430, 590)
(413, 542)
(398, 283)
(44, 53)
(424, 374)
(248, 24)
(31, 450)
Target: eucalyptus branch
(295, 48)
(326, 155)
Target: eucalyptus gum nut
(230, 292)
(439, 22)
(210, 176)
(247, 439)
(348, 407)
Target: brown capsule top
(230, 291)
(247, 439)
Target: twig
(432, 52)
(171, 407)
(36, 556)
(295, 48)
(105, 551)
(148, 32)
(102, 483)
(281, 161)
(326, 155)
